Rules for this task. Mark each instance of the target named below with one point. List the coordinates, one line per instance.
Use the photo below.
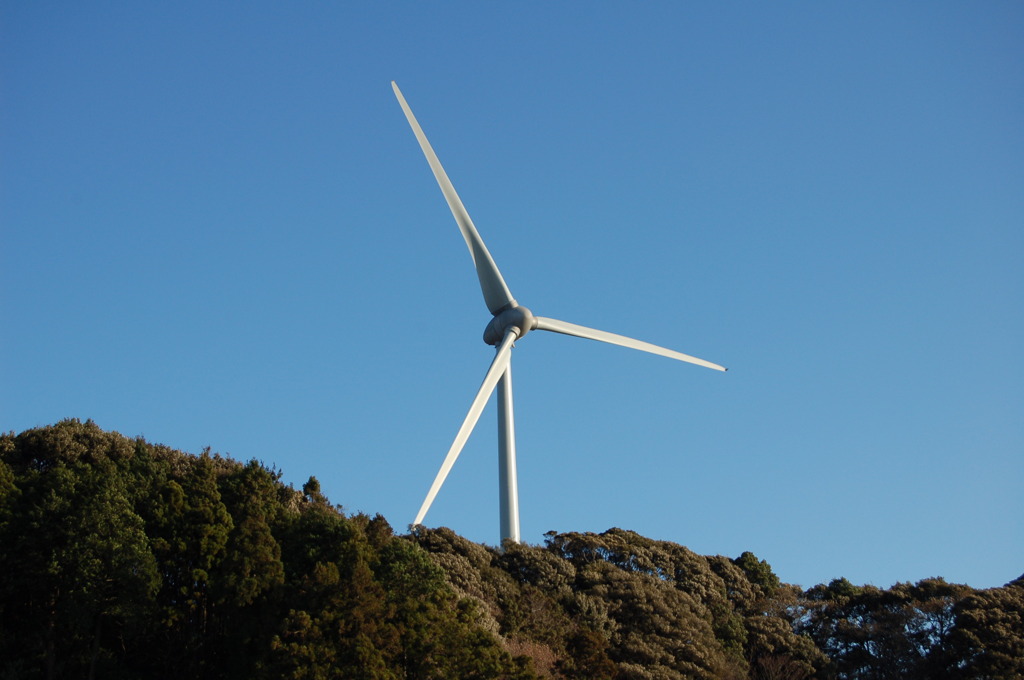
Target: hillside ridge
(123, 558)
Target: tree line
(125, 559)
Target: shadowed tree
(987, 638)
(189, 529)
(78, 572)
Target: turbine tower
(510, 322)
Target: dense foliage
(124, 559)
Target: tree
(189, 527)
(987, 638)
(587, 657)
(758, 572)
(78, 569)
(903, 632)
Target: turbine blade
(501, 360)
(496, 294)
(567, 328)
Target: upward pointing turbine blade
(566, 328)
(501, 360)
(496, 294)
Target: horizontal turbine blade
(567, 328)
(496, 294)
(494, 373)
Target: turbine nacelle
(518, 318)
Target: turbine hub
(517, 317)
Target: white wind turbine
(511, 321)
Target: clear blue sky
(218, 230)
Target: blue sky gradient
(218, 230)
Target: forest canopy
(126, 559)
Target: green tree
(758, 572)
(902, 632)
(587, 658)
(987, 638)
(189, 526)
(78, 570)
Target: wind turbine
(510, 322)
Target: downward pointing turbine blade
(494, 373)
(496, 294)
(567, 328)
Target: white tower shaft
(507, 481)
